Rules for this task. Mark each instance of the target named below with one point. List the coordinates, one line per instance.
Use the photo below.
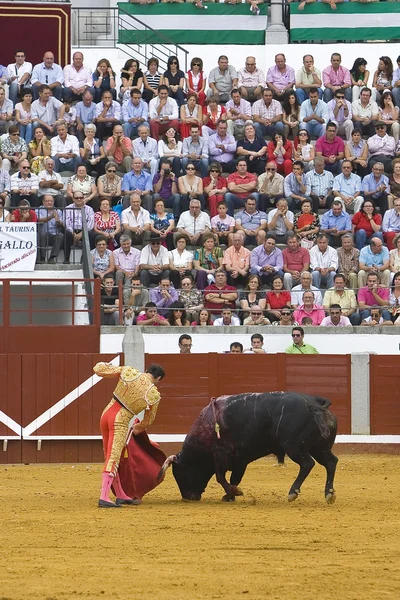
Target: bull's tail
(325, 420)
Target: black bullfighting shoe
(105, 504)
(120, 501)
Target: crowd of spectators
(238, 196)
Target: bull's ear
(167, 463)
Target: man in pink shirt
(309, 309)
(372, 295)
(334, 77)
(335, 318)
(295, 260)
(281, 77)
(331, 147)
(77, 78)
(151, 317)
(236, 260)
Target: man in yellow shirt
(299, 346)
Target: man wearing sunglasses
(381, 147)
(270, 187)
(299, 346)
(340, 113)
(24, 185)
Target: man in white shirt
(340, 113)
(65, 150)
(24, 186)
(146, 148)
(107, 115)
(323, 262)
(239, 114)
(306, 78)
(296, 294)
(49, 73)
(154, 262)
(136, 220)
(365, 112)
(194, 223)
(47, 110)
(51, 183)
(19, 75)
(227, 319)
(251, 80)
(163, 113)
(77, 78)
(280, 221)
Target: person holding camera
(166, 189)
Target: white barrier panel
(18, 246)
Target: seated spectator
(154, 264)
(65, 150)
(85, 113)
(196, 80)
(394, 256)
(207, 260)
(251, 80)
(102, 258)
(339, 110)
(323, 262)
(276, 299)
(356, 151)
(108, 224)
(73, 223)
(266, 260)
(23, 115)
(296, 186)
(163, 113)
(151, 317)
(394, 296)
(119, 149)
(214, 186)
(382, 79)
(335, 318)
(194, 223)
(366, 224)
(381, 147)
(131, 77)
(394, 183)
(174, 79)
(49, 73)
(166, 189)
(296, 294)
(335, 223)
(341, 296)
(135, 297)
(162, 224)
(152, 79)
(191, 113)
(92, 151)
(267, 115)
(309, 309)
(69, 117)
(4, 79)
(136, 220)
(223, 225)
(396, 82)
(138, 181)
(109, 184)
(257, 343)
(238, 114)
(47, 111)
(306, 78)
(191, 188)
(280, 77)
(235, 348)
(270, 186)
(334, 77)
(253, 296)
(374, 259)
(77, 78)
(169, 147)
(195, 150)
(222, 80)
(374, 187)
(24, 186)
(241, 186)
(146, 148)
(222, 147)
(82, 182)
(291, 115)
(13, 149)
(304, 151)
(203, 320)
(280, 151)
(373, 295)
(376, 318)
(109, 301)
(320, 182)
(295, 260)
(236, 260)
(280, 221)
(127, 262)
(51, 183)
(134, 114)
(6, 112)
(389, 113)
(180, 262)
(348, 264)
(253, 149)
(365, 112)
(252, 222)
(4, 197)
(213, 112)
(391, 224)
(359, 77)
(103, 80)
(227, 319)
(331, 148)
(306, 225)
(107, 115)
(191, 298)
(24, 213)
(314, 114)
(286, 319)
(347, 188)
(256, 317)
(177, 315)
(220, 295)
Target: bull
(233, 431)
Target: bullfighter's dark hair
(156, 371)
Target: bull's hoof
(293, 495)
(331, 497)
(236, 491)
(228, 498)
(279, 464)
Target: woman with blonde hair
(103, 80)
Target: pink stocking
(107, 482)
(118, 489)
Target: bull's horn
(167, 463)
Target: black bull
(233, 431)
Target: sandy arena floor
(55, 544)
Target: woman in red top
(107, 223)
(277, 298)
(212, 113)
(196, 80)
(367, 223)
(280, 151)
(215, 186)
